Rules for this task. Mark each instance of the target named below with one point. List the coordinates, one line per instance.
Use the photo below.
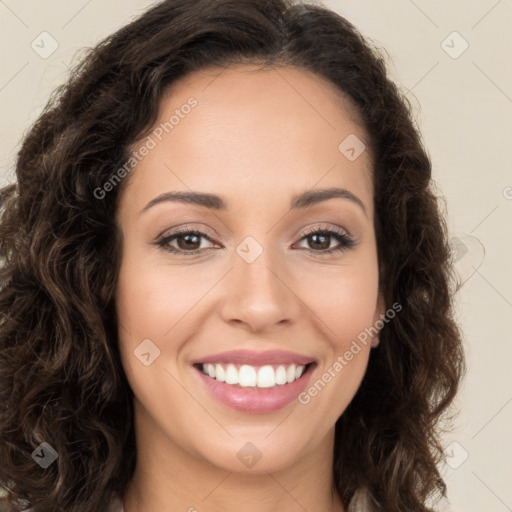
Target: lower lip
(259, 400)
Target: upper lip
(256, 358)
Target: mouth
(255, 377)
(255, 382)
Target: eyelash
(345, 242)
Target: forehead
(265, 99)
(297, 86)
(253, 130)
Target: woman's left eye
(320, 236)
(189, 242)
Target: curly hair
(62, 380)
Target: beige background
(464, 108)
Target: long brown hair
(61, 379)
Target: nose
(260, 295)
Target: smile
(267, 376)
(254, 382)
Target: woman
(300, 353)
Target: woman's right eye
(186, 241)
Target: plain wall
(463, 105)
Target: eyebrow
(215, 202)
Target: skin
(256, 137)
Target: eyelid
(186, 228)
(326, 227)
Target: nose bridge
(258, 292)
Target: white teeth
(247, 376)
(281, 375)
(220, 374)
(250, 376)
(231, 374)
(266, 377)
(290, 373)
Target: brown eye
(188, 242)
(319, 241)
(185, 242)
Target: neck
(271, 492)
(168, 478)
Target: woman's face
(234, 281)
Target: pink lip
(256, 358)
(255, 400)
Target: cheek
(344, 299)
(152, 299)
(345, 304)
(156, 302)
(147, 312)
(352, 310)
